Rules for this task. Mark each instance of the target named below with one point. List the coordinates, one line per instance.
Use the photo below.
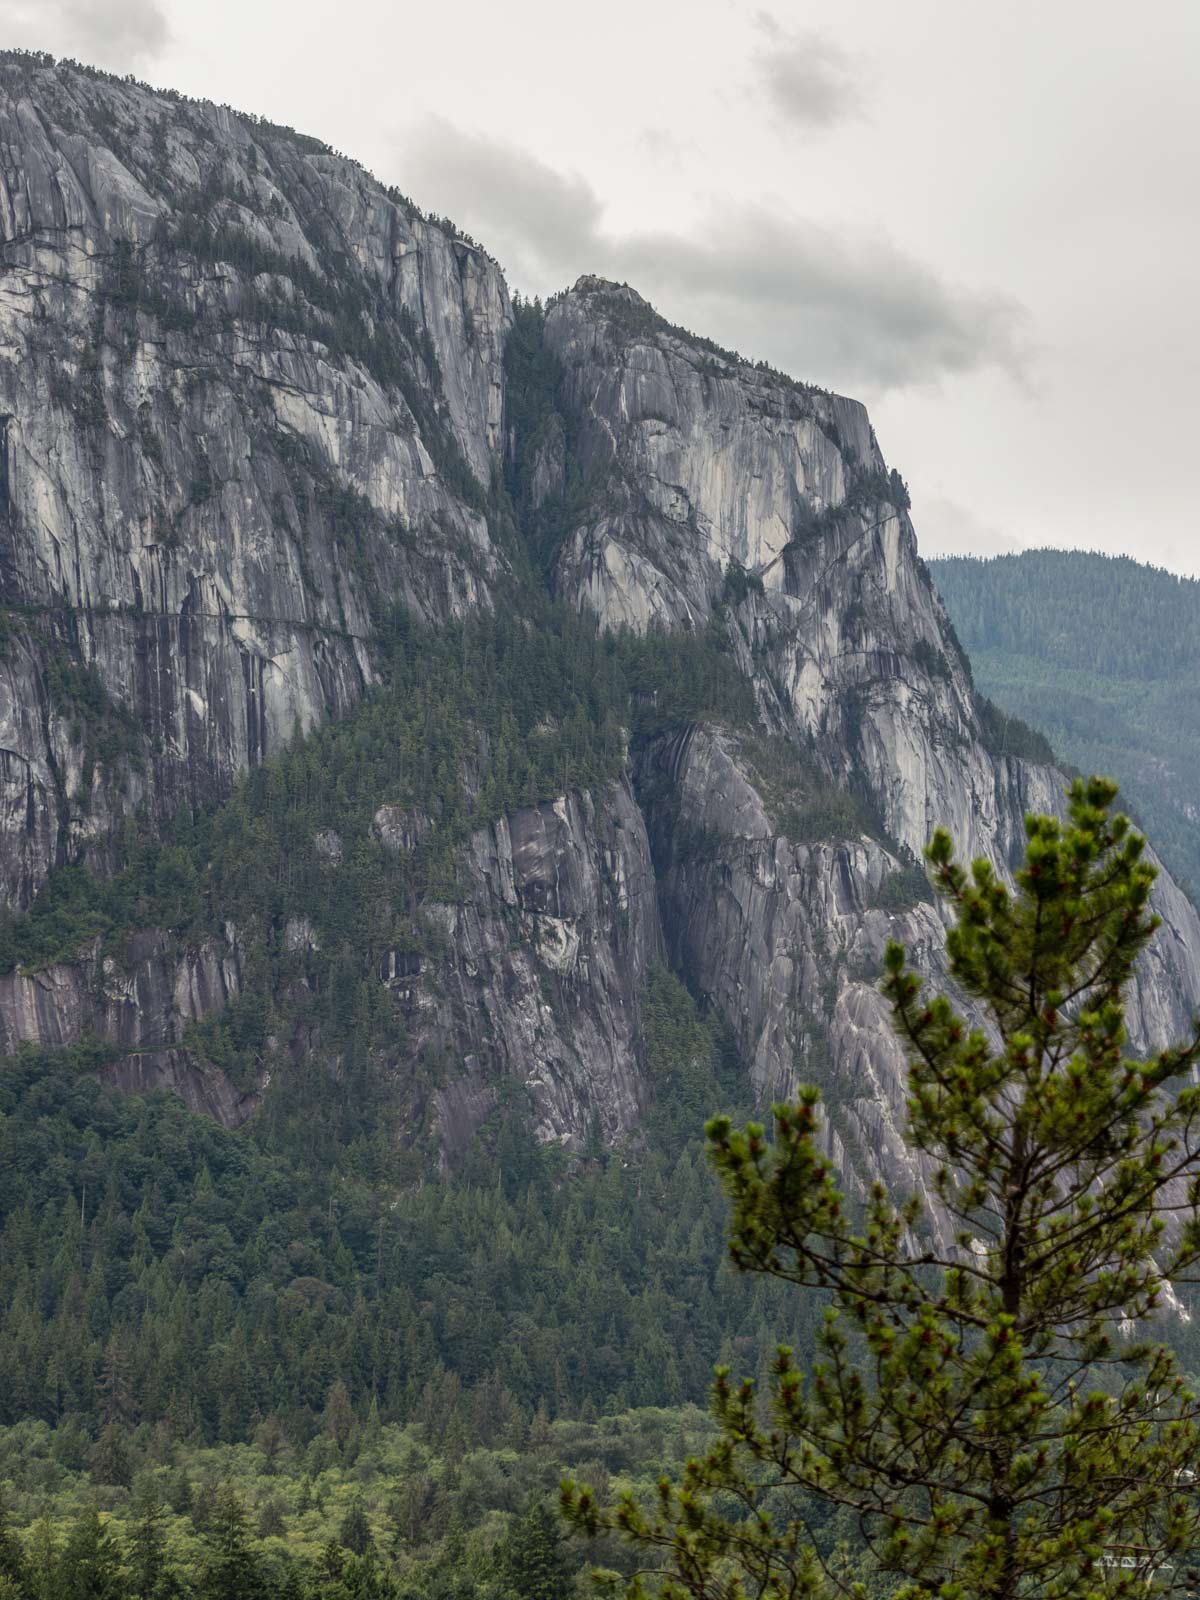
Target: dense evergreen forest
(1125, 698)
(234, 1356)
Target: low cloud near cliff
(844, 307)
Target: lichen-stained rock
(544, 962)
(246, 396)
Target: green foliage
(354, 1533)
(826, 813)
(1009, 736)
(108, 732)
(1010, 603)
(898, 491)
(1122, 699)
(72, 908)
(993, 1414)
(806, 805)
(738, 584)
(232, 1568)
(548, 492)
(931, 661)
(532, 1562)
(158, 1270)
(904, 888)
(89, 1567)
(690, 1062)
(675, 678)
(465, 1520)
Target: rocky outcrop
(721, 485)
(785, 937)
(246, 396)
(143, 1003)
(533, 978)
(542, 968)
(143, 998)
(202, 1087)
(711, 469)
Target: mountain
(1121, 699)
(452, 744)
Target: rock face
(544, 965)
(144, 1005)
(721, 484)
(244, 393)
(709, 466)
(248, 400)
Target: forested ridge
(1102, 654)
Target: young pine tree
(987, 1410)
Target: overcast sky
(983, 220)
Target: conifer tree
(232, 1570)
(989, 1403)
(146, 1547)
(42, 1567)
(338, 1418)
(531, 1561)
(354, 1534)
(13, 1566)
(90, 1565)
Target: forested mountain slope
(452, 745)
(1103, 654)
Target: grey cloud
(946, 528)
(110, 33)
(534, 218)
(844, 308)
(807, 79)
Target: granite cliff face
(709, 466)
(250, 398)
(710, 471)
(544, 967)
(244, 392)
